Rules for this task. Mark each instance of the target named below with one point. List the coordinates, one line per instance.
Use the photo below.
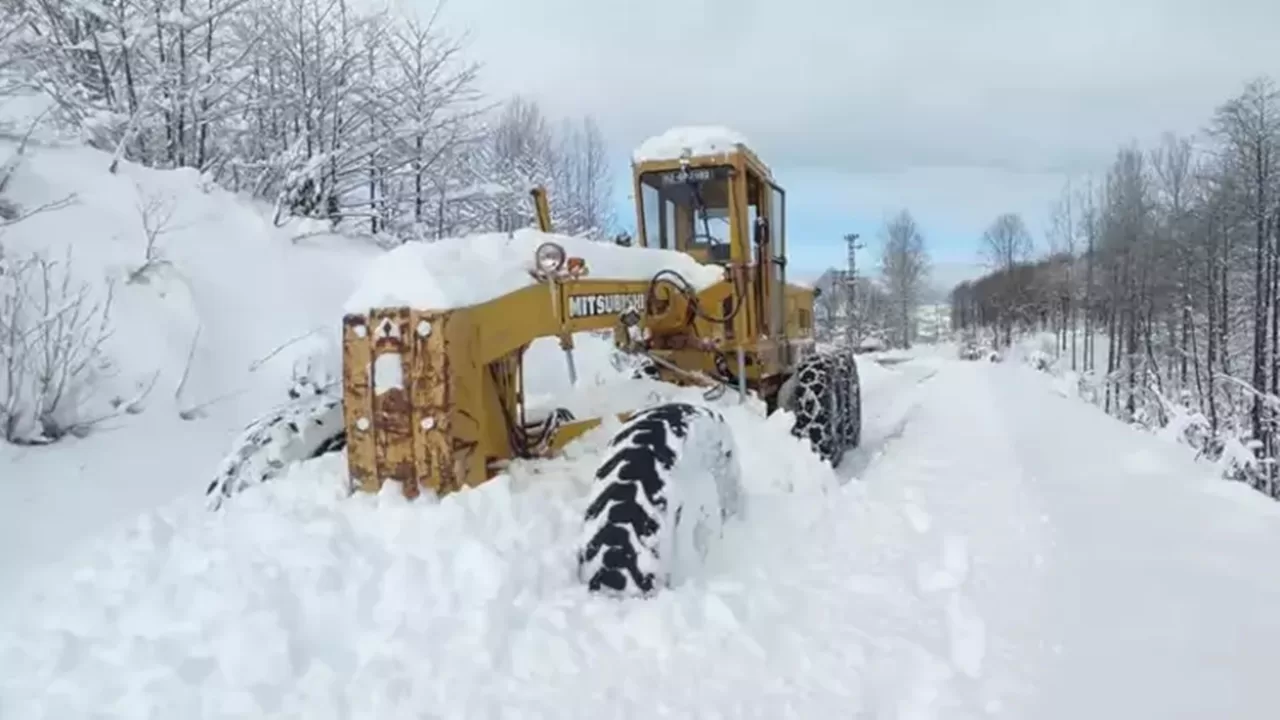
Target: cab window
(686, 209)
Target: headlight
(549, 257)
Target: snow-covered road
(889, 396)
(1075, 567)
(1002, 552)
(1160, 583)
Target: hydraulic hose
(683, 287)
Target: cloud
(880, 85)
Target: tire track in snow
(887, 408)
(956, 481)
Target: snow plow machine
(432, 396)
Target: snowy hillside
(203, 308)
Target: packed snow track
(994, 550)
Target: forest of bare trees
(866, 308)
(371, 118)
(1162, 283)
(884, 303)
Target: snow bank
(872, 374)
(459, 272)
(695, 140)
(1173, 420)
(217, 267)
(299, 602)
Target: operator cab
(691, 185)
(701, 191)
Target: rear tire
(817, 406)
(850, 389)
(659, 500)
(309, 426)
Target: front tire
(850, 389)
(660, 498)
(817, 406)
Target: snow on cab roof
(696, 139)
(460, 272)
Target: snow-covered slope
(197, 334)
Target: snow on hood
(697, 140)
(460, 272)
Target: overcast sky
(955, 110)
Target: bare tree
(524, 151)
(1172, 167)
(829, 310)
(1062, 252)
(1006, 243)
(52, 332)
(155, 216)
(904, 267)
(438, 106)
(584, 179)
(1248, 127)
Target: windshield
(685, 209)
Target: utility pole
(851, 288)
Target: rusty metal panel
(357, 402)
(471, 418)
(431, 392)
(392, 416)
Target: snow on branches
(331, 108)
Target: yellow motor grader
(433, 400)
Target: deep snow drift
(297, 601)
(1043, 562)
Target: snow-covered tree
(333, 108)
